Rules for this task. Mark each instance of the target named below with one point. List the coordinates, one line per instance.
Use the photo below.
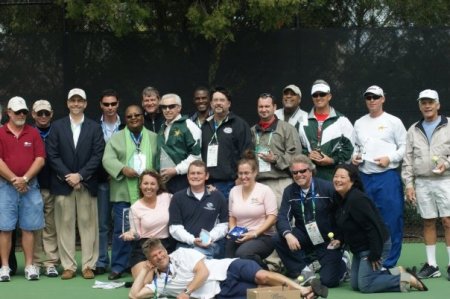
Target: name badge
(313, 232)
(213, 153)
(263, 165)
(138, 162)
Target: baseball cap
(77, 91)
(42, 105)
(376, 90)
(320, 87)
(294, 88)
(428, 94)
(17, 103)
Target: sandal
(418, 285)
(318, 288)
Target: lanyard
(216, 127)
(137, 141)
(155, 282)
(43, 133)
(258, 137)
(303, 203)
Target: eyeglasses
(42, 113)
(136, 115)
(302, 171)
(319, 94)
(370, 97)
(23, 111)
(113, 104)
(170, 107)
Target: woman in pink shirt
(251, 205)
(149, 218)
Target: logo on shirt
(27, 144)
(177, 132)
(210, 206)
(228, 130)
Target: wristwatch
(187, 292)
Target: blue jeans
(121, 250)
(366, 280)
(224, 187)
(104, 222)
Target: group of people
(296, 186)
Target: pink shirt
(152, 223)
(251, 213)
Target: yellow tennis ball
(331, 235)
(300, 278)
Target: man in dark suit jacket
(75, 150)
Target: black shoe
(114, 275)
(429, 271)
(100, 270)
(448, 273)
(318, 288)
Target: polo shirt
(185, 209)
(20, 152)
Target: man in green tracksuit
(327, 137)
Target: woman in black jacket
(365, 233)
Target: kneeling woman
(149, 218)
(365, 233)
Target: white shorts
(433, 197)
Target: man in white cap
(327, 137)
(46, 245)
(291, 112)
(75, 150)
(380, 140)
(22, 155)
(426, 174)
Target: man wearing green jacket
(327, 137)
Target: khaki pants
(45, 242)
(78, 208)
(277, 186)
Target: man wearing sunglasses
(46, 244)
(309, 201)
(75, 148)
(327, 137)
(380, 140)
(110, 122)
(22, 156)
(179, 141)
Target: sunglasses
(319, 94)
(370, 97)
(113, 104)
(170, 107)
(134, 115)
(266, 95)
(302, 171)
(23, 111)
(42, 113)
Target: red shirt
(20, 152)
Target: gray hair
(304, 160)
(149, 90)
(172, 96)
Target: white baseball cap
(77, 91)
(17, 103)
(376, 90)
(428, 94)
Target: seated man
(197, 208)
(309, 202)
(186, 273)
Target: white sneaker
(306, 276)
(348, 264)
(31, 273)
(51, 271)
(4, 273)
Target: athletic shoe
(306, 276)
(31, 273)
(348, 266)
(4, 273)
(429, 271)
(51, 271)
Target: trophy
(165, 161)
(128, 222)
